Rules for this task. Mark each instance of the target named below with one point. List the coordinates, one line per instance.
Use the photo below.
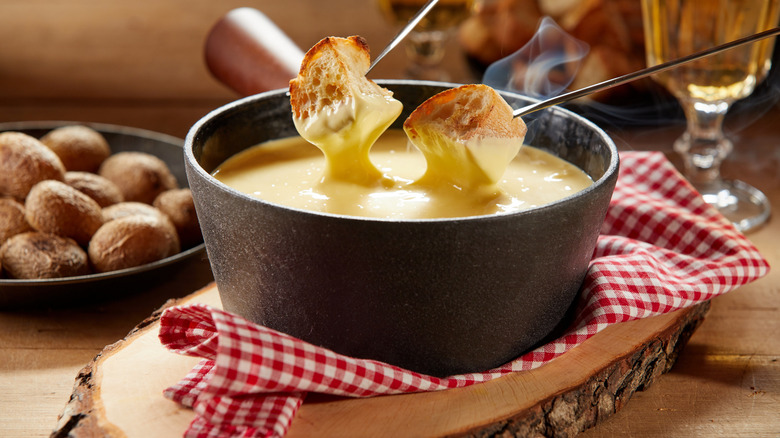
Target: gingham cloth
(661, 248)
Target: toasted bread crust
(473, 110)
(330, 71)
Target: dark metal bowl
(99, 287)
(437, 296)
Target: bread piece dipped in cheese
(338, 109)
(467, 135)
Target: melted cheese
(290, 172)
(469, 164)
(345, 132)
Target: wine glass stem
(703, 146)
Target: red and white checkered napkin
(661, 248)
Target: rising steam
(542, 68)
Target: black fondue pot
(437, 296)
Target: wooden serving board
(120, 392)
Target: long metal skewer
(405, 31)
(642, 73)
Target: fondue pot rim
(214, 114)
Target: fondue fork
(405, 31)
(402, 33)
(609, 83)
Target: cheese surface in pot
(290, 172)
(345, 132)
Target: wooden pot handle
(246, 51)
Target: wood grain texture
(43, 349)
(120, 392)
(723, 384)
(726, 381)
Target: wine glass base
(744, 205)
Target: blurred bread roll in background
(612, 29)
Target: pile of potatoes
(69, 207)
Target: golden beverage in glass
(681, 27)
(706, 88)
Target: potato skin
(124, 209)
(57, 208)
(179, 206)
(12, 221)
(131, 241)
(35, 255)
(103, 191)
(80, 148)
(24, 162)
(51, 191)
(139, 176)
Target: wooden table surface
(140, 64)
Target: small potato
(139, 176)
(178, 205)
(131, 241)
(103, 191)
(24, 162)
(57, 208)
(12, 221)
(41, 255)
(80, 148)
(124, 209)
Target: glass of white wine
(426, 43)
(707, 88)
